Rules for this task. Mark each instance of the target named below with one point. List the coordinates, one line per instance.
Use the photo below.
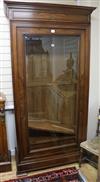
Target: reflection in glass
(51, 81)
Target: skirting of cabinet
(38, 163)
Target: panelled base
(33, 164)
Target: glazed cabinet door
(48, 67)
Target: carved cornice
(47, 12)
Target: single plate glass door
(52, 83)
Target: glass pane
(51, 81)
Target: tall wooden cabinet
(50, 65)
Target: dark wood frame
(71, 20)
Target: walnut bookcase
(50, 65)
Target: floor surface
(87, 170)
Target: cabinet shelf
(47, 125)
(42, 83)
